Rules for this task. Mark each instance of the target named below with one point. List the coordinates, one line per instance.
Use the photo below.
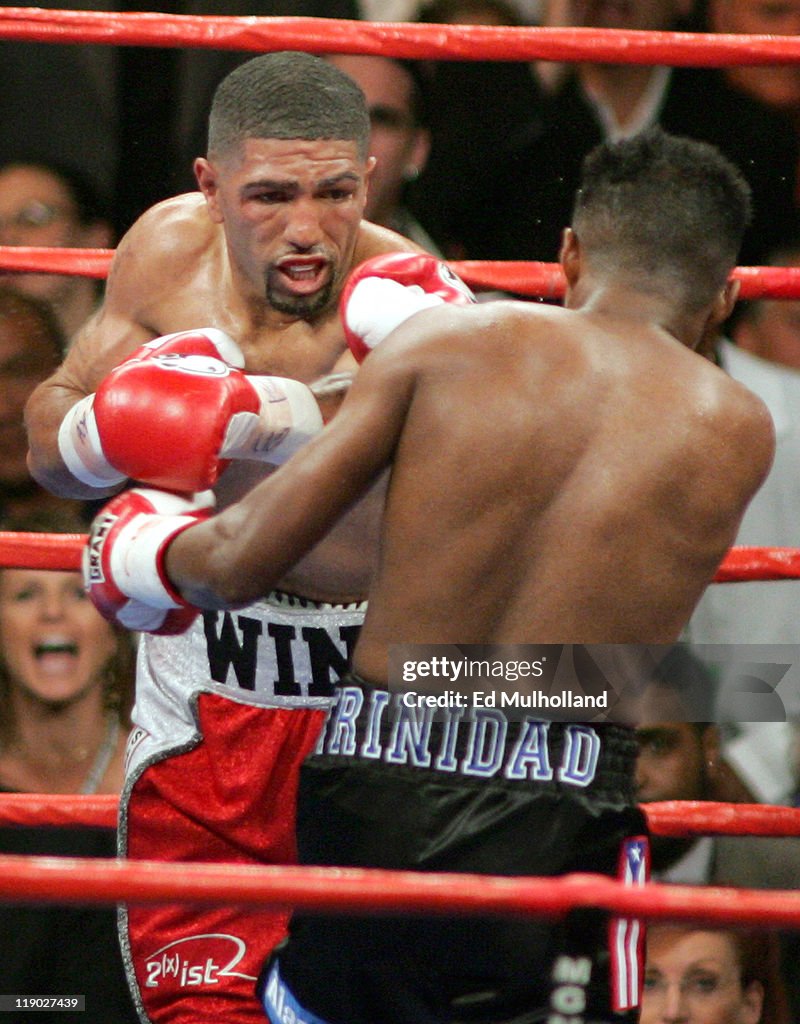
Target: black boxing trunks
(468, 791)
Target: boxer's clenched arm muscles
(239, 555)
(110, 335)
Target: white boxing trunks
(224, 716)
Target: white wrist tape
(134, 559)
(81, 449)
(288, 418)
(378, 305)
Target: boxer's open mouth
(303, 274)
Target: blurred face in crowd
(693, 976)
(778, 86)
(55, 643)
(672, 761)
(26, 358)
(399, 145)
(674, 751)
(652, 15)
(672, 764)
(36, 208)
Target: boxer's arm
(107, 338)
(76, 378)
(240, 554)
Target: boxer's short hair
(287, 95)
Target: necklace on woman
(103, 757)
(79, 755)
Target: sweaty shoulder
(373, 240)
(740, 422)
(520, 341)
(506, 331)
(165, 249)
(172, 233)
(499, 329)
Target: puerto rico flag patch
(626, 935)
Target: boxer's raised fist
(178, 410)
(123, 561)
(384, 291)
(83, 447)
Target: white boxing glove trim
(133, 614)
(170, 504)
(81, 449)
(133, 559)
(141, 617)
(229, 351)
(377, 305)
(288, 418)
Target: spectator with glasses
(46, 204)
(399, 138)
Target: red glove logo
(203, 366)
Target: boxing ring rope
(675, 818)
(523, 277)
(64, 552)
(396, 39)
(56, 551)
(361, 890)
(59, 809)
(76, 880)
(350, 890)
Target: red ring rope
(354, 890)
(681, 818)
(685, 818)
(64, 552)
(397, 39)
(523, 277)
(57, 809)
(56, 551)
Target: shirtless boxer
(259, 255)
(558, 475)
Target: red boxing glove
(79, 440)
(206, 341)
(383, 292)
(123, 562)
(175, 412)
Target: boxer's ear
(207, 181)
(723, 304)
(571, 257)
(726, 300)
(719, 311)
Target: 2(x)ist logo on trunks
(196, 960)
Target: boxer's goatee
(304, 307)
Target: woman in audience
(65, 695)
(65, 682)
(697, 975)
